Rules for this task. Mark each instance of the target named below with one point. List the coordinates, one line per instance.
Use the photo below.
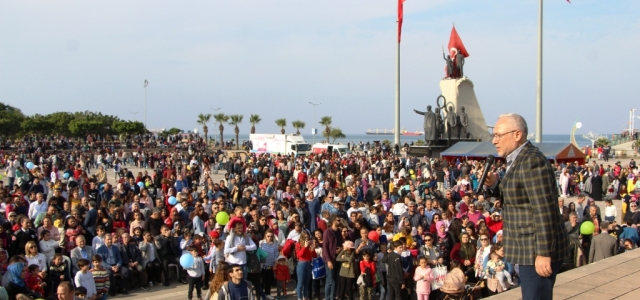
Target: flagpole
(539, 80)
(396, 132)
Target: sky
(273, 57)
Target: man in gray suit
(603, 245)
(79, 252)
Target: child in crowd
(496, 267)
(186, 242)
(347, 270)
(81, 292)
(85, 279)
(381, 268)
(282, 276)
(47, 245)
(34, 281)
(423, 278)
(610, 211)
(98, 240)
(100, 278)
(395, 274)
(195, 273)
(368, 267)
(57, 272)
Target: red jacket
(282, 272)
(304, 253)
(371, 265)
(455, 254)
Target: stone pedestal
(460, 92)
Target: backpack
(287, 249)
(253, 262)
(368, 277)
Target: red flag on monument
(456, 42)
(400, 16)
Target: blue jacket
(629, 233)
(104, 252)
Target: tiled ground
(613, 278)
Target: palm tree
(298, 125)
(282, 123)
(336, 133)
(203, 119)
(326, 122)
(234, 120)
(221, 119)
(254, 119)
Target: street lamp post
(313, 130)
(146, 83)
(214, 126)
(134, 114)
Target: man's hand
(491, 179)
(330, 265)
(241, 248)
(402, 287)
(543, 266)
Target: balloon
(147, 184)
(173, 200)
(222, 218)
(140, 184)
(186, 260)
(30, 165)
(255, 171)
(587, 228)
(65, 176)
(411, 171)
(374, 236)
(413, 177)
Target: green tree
(254, 119)
(602, 141)
(326, 122)
(298, 125)
(10, 120)
(221, 119)
(336, 133)
(60, 122)
(234, 120)
(128, 128)
(203, 119)
(282, 123)
(82, 127)
(36, 125)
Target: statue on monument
(456, 57)
(463, 122)
(451, 123)
(430, 125)
(439, 124)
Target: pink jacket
(423, 286)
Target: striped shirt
(101, 278)
(272, 253)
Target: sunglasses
(428, 240)
(484, 240)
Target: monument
(457, 115)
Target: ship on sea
(404, 132)
(380, 132)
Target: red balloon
(374, 236)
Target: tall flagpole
(539, 81)
(396, 127)
(396, 131)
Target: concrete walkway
(612, 278)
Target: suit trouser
(536, 287)
(165, 268)
(394, 290)
(124, 272)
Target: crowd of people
(382, 224)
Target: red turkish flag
(456, 42)
(400, 16)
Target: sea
(364, 138)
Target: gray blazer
(602, 246)
(76, 255)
